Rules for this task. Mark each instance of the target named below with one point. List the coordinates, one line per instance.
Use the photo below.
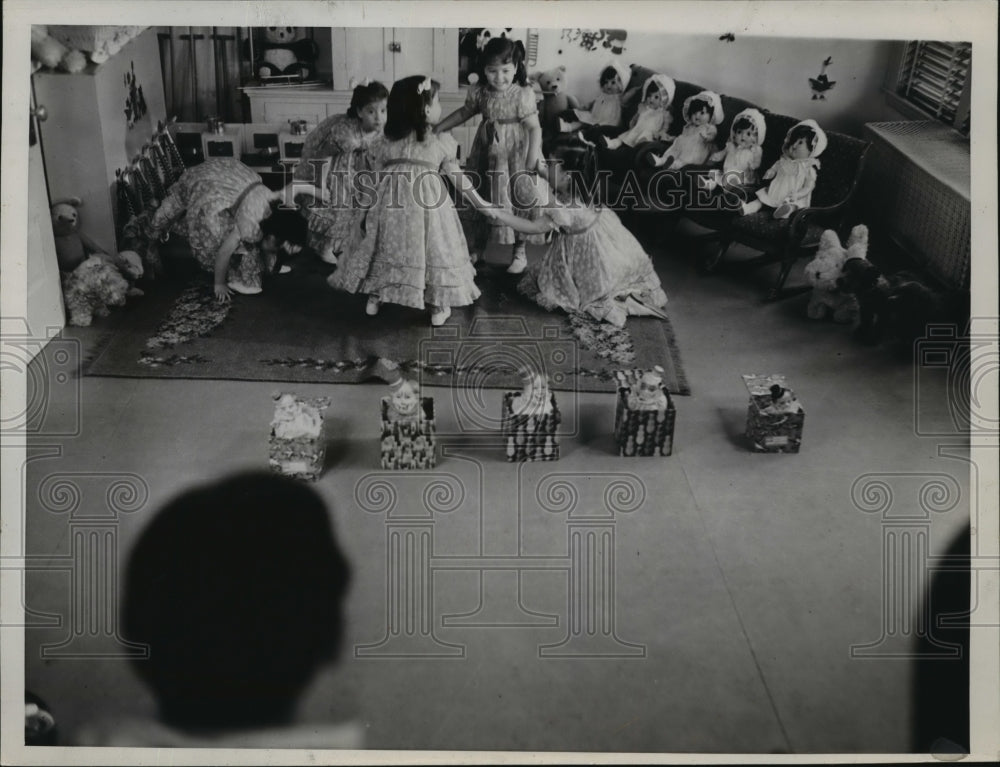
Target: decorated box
(643, 428)
(408, 443)
(530, 435)
(297, 447)
(774, 416)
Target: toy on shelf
(645, 414)
(407, 425)
(774, 416)
(529, 420)
(296, 443)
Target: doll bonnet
(820, 137)
(712, 98)
(665, 83)
(755, 116)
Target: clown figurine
(404, 400)
(648, 394)
(534, 398)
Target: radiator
(917, 188)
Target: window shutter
(934, 76)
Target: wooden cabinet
(88, 134)
(388, 54)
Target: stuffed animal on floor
(47, 51)
(555, 99)
(90, 289)
(827, 299)
(285, 52)
(899, 306)
(73, 247)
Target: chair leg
(711, 263)
(779, 291)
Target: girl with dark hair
(346, 142)
(413, 251)
(594, 265)
(509, 138)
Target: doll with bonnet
(793, 176)
(652, 118)
(702, 113)
(741, 155)
(606, 109)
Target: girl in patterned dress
(220, 206)
(346, 140)
(594, 264)
(412, 250)
(509, 138)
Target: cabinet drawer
(277, 111)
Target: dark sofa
(782, 241)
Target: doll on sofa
(702, 113)
(793, 176)
(652, 119)
(741, 156)
(606, 110)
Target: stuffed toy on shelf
(284, 52)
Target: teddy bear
(47, 51)
(826, 268)
(90, 289)
(283, 53)
(555, 100)
(73, 247)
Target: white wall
(771, 72)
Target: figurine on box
(404, 401)
(648, 394)
(294, 418)
(534, 398)
(782, 401)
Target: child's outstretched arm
(456, 118)
(465, 187)
(222, 259)
(534, 159)
(541, 225)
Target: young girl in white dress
(412, 250)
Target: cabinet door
(360, 52)
(445, 57)
(414, 52)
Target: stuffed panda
(283, 53)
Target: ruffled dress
(207, 202)
(693, 146)
(793, 182)
(647, 124)
(339, 139)
(499, 150)
(594, 265)
(410, 248)
(743, 161)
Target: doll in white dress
(702, 113)
(793, 176)
(741, 156)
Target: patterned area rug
(301, 330)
